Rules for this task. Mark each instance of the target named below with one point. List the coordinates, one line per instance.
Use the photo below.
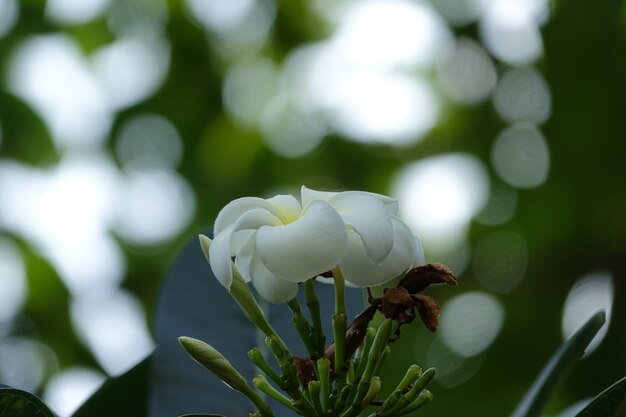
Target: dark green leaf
(122, 396)
(202, 415)
(608, 403)
(15, 402)
(561, 362)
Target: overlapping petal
(272, 289)
(236, 208)
(368, 217)
(221, 248)
(308, 195)
(360, 271)
(309, 246)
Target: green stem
(381, 361)
(410, 376)
(317, 333)
(339, 325)
(378, 345)
(424, 398)
(261, 383)
(289, 377)
(257, 358)
(314, 388)
(323, 367)
(407, 400)
(340, 286)
(302, 326)
(371, 392)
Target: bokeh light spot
(74, 12)
(50, 73)
(131, 69)
(149, 141)
(522, 95)
(291, 128)
(220, 15)
(590, 294)
(500, 261)
(390, 33)
(238, 28)
(501, 206)
(378, 107)
(468, 75)
(13, 284)
(521, 157)
(72, 230)
(452, 369)
(460, 13)
(471, 322)
(440, 195)
(8, 17)
(115, 330)
(247, 90)
(153, 206)
(24, 363)
(510, 30)
(68, 389)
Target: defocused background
(125, 125)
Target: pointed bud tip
(205, 243)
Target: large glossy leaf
(122, 396)
(609, 403)
(18, 403)
(193, 303)
(561, 362)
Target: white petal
(369, 218)
(311, 245)
(360, 271)
(288, 206)
(420, 258)
(308, 195)
(221, 248)
(236, 208)
(245, 253)
(272, 289)
(219, 257)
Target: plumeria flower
(380, 245)
(280, 242)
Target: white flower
(278, 243)
(380, 245)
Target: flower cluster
(280, 242)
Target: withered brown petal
(420, 277)
(429, 310)
(304, 369)
(395, 301)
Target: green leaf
(561, 362)
(122, 396)
(15, 402)
(608, 403)
(202, 415)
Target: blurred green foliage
(574, 223)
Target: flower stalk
(339, 325)
(317, 334)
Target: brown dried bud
(418, 278)
(304, 369)
(429, 310)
